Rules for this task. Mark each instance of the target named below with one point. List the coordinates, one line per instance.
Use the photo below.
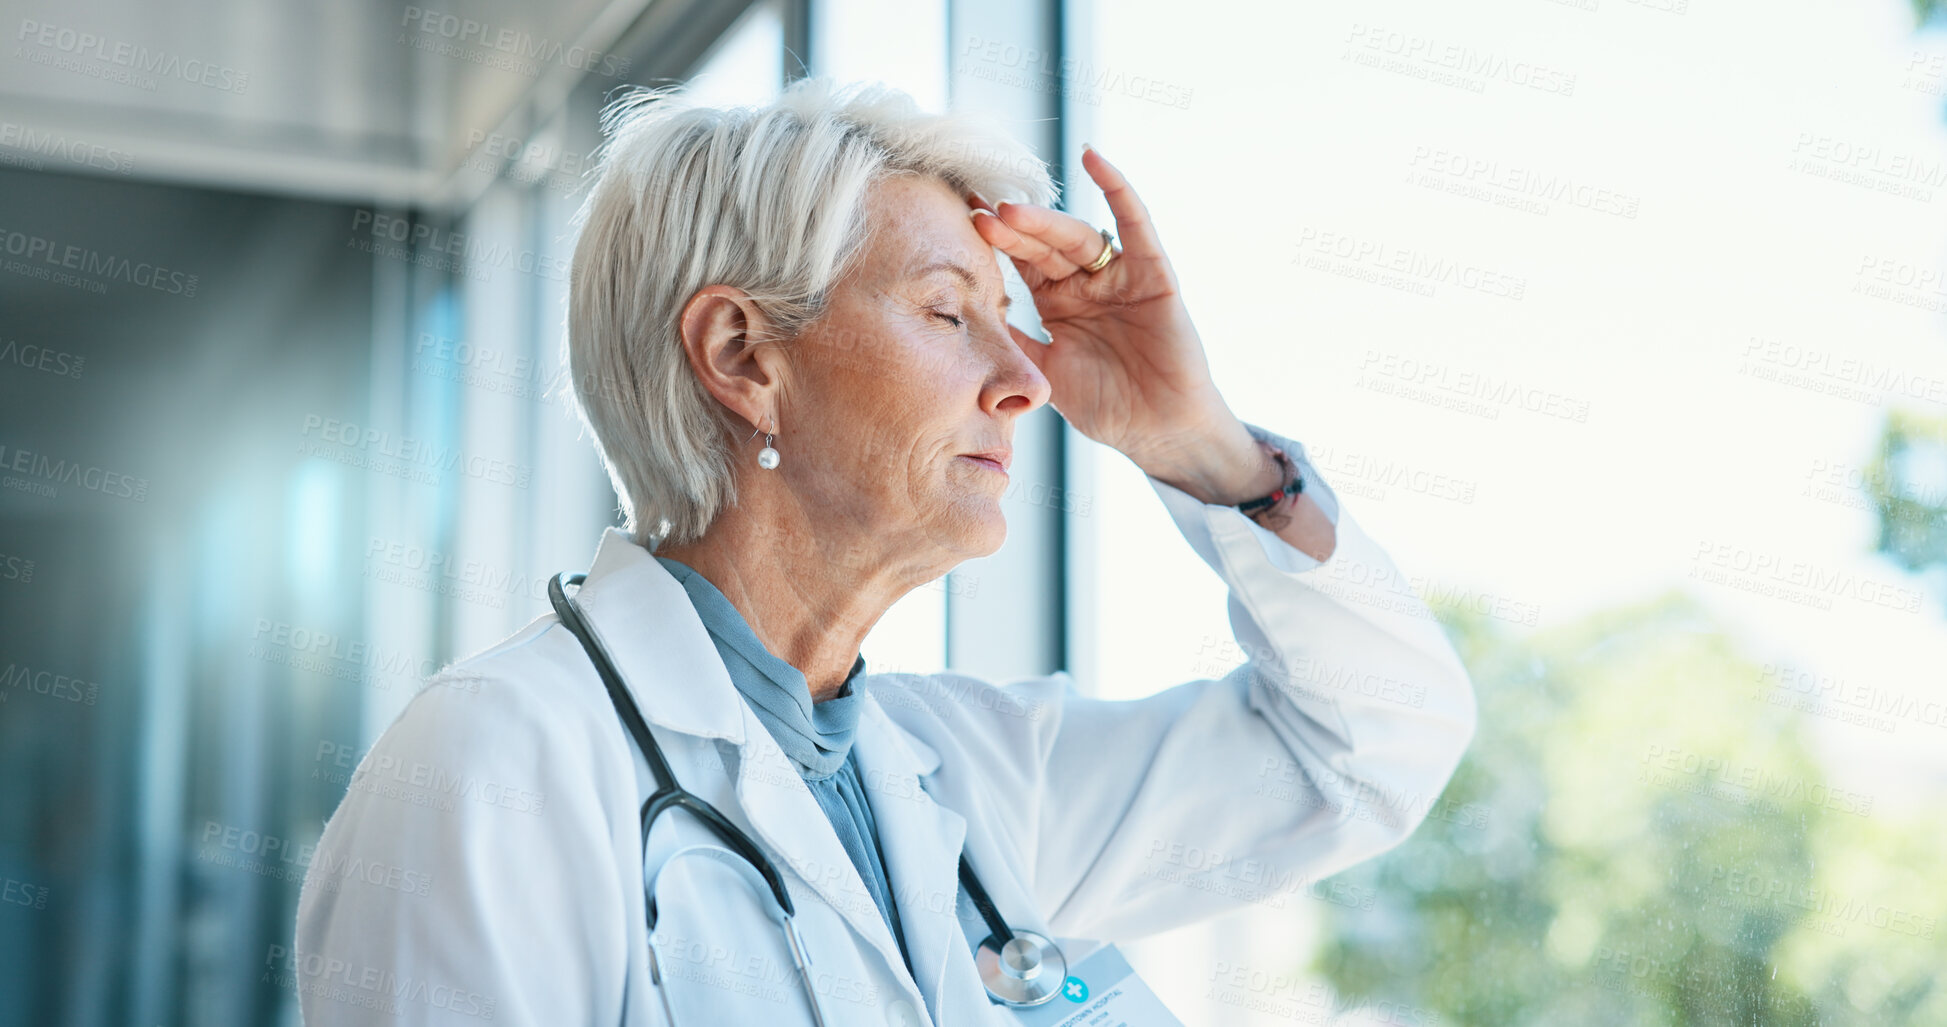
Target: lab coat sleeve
(1327, 747)
(468, 876)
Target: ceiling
(368, 101)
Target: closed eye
(957, 323)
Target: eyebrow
(966, 276)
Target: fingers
(1026, 249)
(1074, 240)
(1058, 244)
(1132, 227)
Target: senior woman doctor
(788, 334)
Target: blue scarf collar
(816, 736)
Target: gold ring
(1108, 253)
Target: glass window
(1617, 365)
(745, 66)
(901, 42)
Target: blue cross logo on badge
(1075, 990)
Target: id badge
(1100, 992)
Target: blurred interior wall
(163, 520)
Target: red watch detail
(1294, 484)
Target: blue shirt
(817, 737)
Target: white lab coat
(485, 865)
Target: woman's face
(897, 419)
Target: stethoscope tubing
(670, 794)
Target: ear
(724, 337)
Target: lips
(998, 459)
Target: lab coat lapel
(921, 840)
(645, 620)
(794, 829)
(651, 630)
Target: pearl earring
(767, 458)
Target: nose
(1016, 385)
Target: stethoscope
(1018, 968)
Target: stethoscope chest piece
(1026, 971)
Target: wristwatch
(1294, 484)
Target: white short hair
(767, 199)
